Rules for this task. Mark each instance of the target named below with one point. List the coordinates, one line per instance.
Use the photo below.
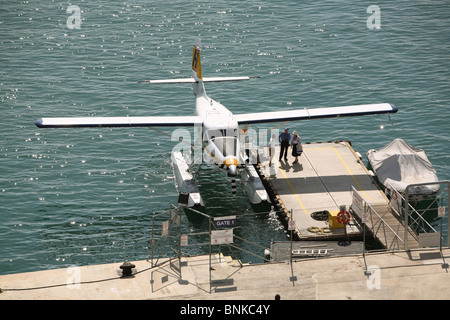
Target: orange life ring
(343, 217)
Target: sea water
(88, 196)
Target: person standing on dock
(296, 145)
(284, 139)
(272, 145)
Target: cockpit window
(225, 140)
(226, 145)
(221, 133)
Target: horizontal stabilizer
(315, 113)
(184, 80)
(192, 80)
(92, 122)
(221, 79)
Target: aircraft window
(226, 144)
(212, 134)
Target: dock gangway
(397, 224)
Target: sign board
(291, 225)
(441, 212)
(359, 207)
(365, 217)
(184, 240)
(357, 202)
(432, 239)
(165, 228)
(222, 236)
(175, 217)
(396, 201)
(221, 222)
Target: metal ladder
(311, 252)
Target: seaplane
(220, 132)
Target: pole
(179, 241)
(440, 236)
(152, 240)
(291, 235)
(405, 237)
(448, 215)
(366, 272)
(291, 247)
(209, 223)
(364, 242)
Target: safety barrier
(416, 220)
(423, 232)
(398, 225)
(383, 230)
(166, 239)
(169, 241)
(375, 219)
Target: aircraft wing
(86, 122)
(315, 113)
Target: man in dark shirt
(284, 138)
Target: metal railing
(212, 222)
(168, 241)
(165, 241)
(419, 223)
(414, 222)
(381, 228)
(411, 215)
(375, 222)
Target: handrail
(164, 239)
(406, 207)
(396, 236)
(419, 222)
(360, 206)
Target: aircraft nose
(231, 163)
(232, 170)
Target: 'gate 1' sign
(221, 222)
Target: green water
(87, 196)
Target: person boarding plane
(220, 130)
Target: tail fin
(196, 63)
(197, 76)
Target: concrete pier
(418, 274)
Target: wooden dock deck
(322, 180)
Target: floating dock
(321, 181)
(312, 191)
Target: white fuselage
(220, 131)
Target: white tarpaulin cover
(398, 164)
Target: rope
(317, 174)
(319, 230)
(81, 282)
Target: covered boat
(398, 165)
